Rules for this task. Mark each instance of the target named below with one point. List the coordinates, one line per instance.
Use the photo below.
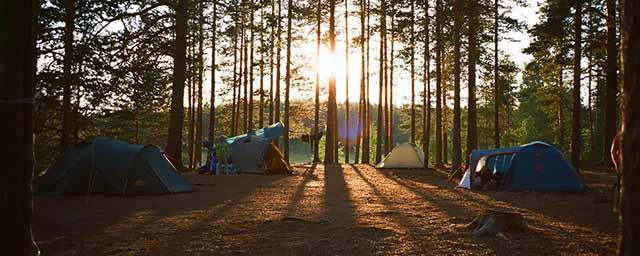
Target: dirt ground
(333, 210)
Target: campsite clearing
(326, 211)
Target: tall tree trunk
(174, 140)
(316, 121)
(496, 81)
(630, 195)
(242, 71)
(472, 126)
(287, 90)
(426, 97)
(611, 91)
(251, 66)
(560, 102)
(67, 80)
(457, 140)
(576, 130)
(385, 106)
(191, 104)
(278, 58)
(445, 134)
(412, 73)
(391, 63)
(330, 147)
(212, 108)
(346, 101)
(17, 86)
(234, 100)
(271, 76)
(439, 79)
(261, 90)
(380, 123)
(590, 109)
(245, 78)
(199, 123)
(366, 149)
(361, 103)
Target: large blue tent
(536, 166)
(110, 166)
(272, 132)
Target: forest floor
(347, 210)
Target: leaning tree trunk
(17, 84)
(174, 140)
(630, 194)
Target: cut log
(497, 222)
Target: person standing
(222, 154)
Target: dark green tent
(115, 167)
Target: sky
(402, 82)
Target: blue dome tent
(537, 166)
(114, 167)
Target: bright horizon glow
(306, 50)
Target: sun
(330, 64)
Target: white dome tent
(404, 156)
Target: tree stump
(497, 222)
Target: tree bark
(199, 123)
(380, 124)
(346, 101)
(576, 130)
(391, 67)
(457, 142)
(611, 91)
(412, 72)
(330, 138)
(271, 76)
(261, 89)
(472, 126)
(287, 90)
(174, 141)
(426, 97)
(630, 171)
(251, 66)
(496, 78)
(439, 46)
(17, 85)
(212, 108)
(316, 121)
(67, 80)
(366, 150)
(278, 58)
